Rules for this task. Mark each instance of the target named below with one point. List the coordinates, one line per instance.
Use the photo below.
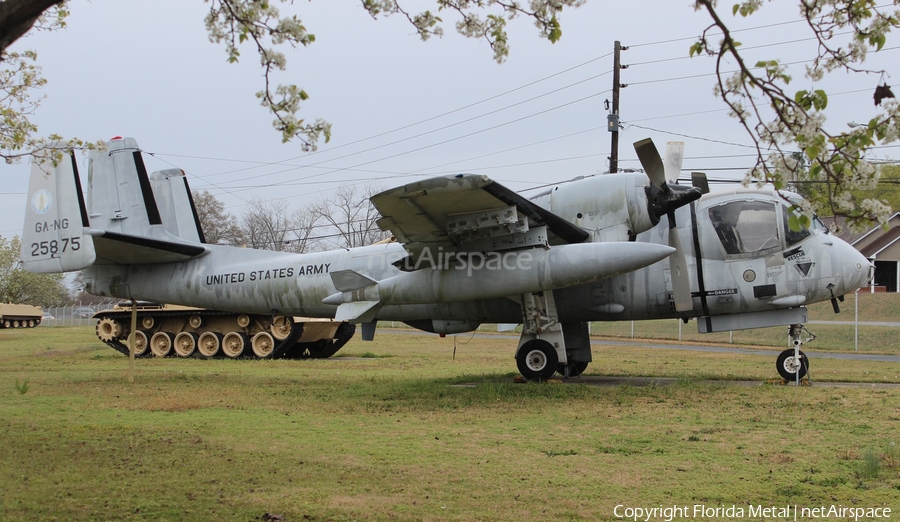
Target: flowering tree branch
(780, 123)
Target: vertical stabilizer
(55, 235)
(120, 198)
(176, 205)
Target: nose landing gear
(792, 364)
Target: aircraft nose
(858, 271)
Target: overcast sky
(402, 108)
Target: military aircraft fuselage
(625, 246)
(742, 257)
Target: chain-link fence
(73, 315)
(867, 323)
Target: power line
(694, 38)
(702, 75)
(545, 94)
(541, 142)
(719, 73)
(263, 164)
(424, 147)
(746, 29)
(748, 48)
(693, 137)
(677, 115)
(411, 173)
(295, 167)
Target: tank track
(20, 322)
(325, 348)
(288, 347)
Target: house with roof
(883, 248)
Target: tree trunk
(17, 17)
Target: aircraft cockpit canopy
(754, 226)
(746, 226)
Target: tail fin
(55, 238)
(126, 221)
(121, 223)
(120, 198)
(176, 204)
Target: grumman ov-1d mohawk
(626, 246)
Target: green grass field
(399, 429)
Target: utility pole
(612, 119)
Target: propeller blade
(673, 161)
(698, 179)
(652, 163)
(665, 199)
(681, 280)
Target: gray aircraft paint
(135, 241)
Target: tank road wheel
(788, 366)
(195, 321)
(31, 323)
(161, 344)
(7, 324)
(234, 344)
(263, 345)
(140, 343)
(185, 344)
(537, 360)
(15, 323)
(575, 368)
(147, 322)
(281, 327)
(108, 330)
(208, 344)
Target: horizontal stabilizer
(358, 312)
(350, 280)
(123, 249)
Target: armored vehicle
(19, 316)
(170, 330)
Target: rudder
(55, 236)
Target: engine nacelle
(613, 207)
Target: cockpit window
(818, 225)
(745, 227)
(795, 236)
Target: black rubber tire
(785, 372)
(575, 368)
(537, 360)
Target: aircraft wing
(468, 213)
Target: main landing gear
(792, 364)
(537, 360)
(548, 346)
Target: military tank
(19, 316)
(180, 331)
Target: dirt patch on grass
(56, 353)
